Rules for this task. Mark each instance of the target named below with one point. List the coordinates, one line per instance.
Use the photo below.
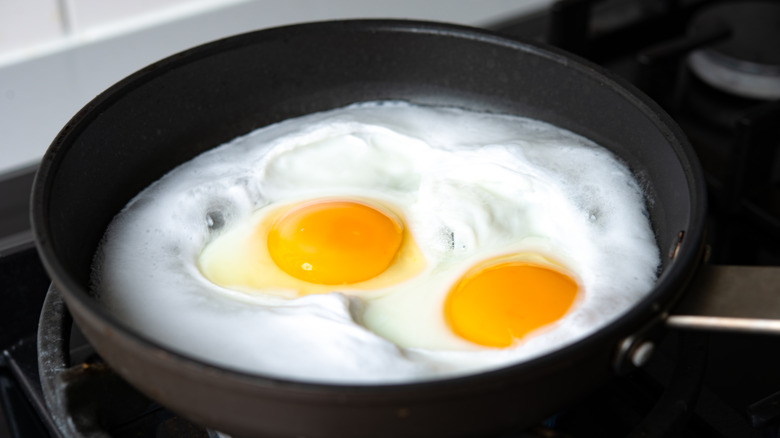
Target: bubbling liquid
(381, 243)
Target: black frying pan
(145, 125)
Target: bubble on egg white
(215, 220)
(471, 186)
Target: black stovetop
(646, 42)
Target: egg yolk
(495, 305)
(335, 242)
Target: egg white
(471, 186)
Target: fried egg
(310, 247)
(380, 243)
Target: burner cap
(748, 63)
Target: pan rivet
(642, 353)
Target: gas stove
(714, 66)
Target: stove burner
(748, 63)
(85, 397)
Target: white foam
(472, 185)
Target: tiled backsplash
(56, 55)
(29, 23)
(90, 14)
(30, 28)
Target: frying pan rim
(674, 277)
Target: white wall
(55, 55)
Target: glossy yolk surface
(335, 242)
(495, 305)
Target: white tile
(27, 23)
(90, 14)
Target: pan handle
(730, 298)
(722, 298)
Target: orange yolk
(495, 305)
(335, 242)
